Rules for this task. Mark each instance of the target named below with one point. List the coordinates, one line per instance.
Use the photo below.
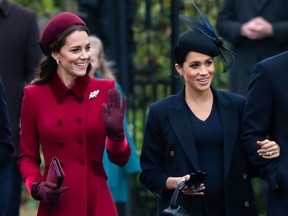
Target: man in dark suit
(266, 117)
(256, 29)
(19, 56)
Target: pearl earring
(57, 60)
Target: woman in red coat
(69, 115)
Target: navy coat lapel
(227, 112)
(176, 113)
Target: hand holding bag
(55, 172)
(173, 208)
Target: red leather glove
(113, 115)
(48, 192)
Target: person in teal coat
(118, 177)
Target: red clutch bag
(55, 172)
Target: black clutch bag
(55, 172)
(195, 181)
(174, 208)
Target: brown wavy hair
(48, 65)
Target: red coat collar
(60, 90)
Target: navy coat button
(156, 194)
(172, 153)
(246, 203)
(245, 176)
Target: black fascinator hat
(198, 42)
(202, 38)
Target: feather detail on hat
(201, 23)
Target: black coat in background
(169, 150)
(266, 115)
(6, 146)
(19, 57)
(248, 52)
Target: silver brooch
(93, 94)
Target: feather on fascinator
(201, 24)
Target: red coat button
(81, 162)
(79, 120)
(59, 122)
(60, 143)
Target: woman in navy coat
(198, 129)
(73, 117)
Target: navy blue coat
(266, 115)
(169, 150)
(6, 147)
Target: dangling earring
(57, 60)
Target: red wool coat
(68, 124)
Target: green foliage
(44, 7)
(259, 195)
(152, 36)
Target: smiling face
(197, 71)
(74, 57)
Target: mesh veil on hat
(203, 38)
(56, 26)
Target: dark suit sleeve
(32, 48)
(228, 25)
(280, 32)
(6, 147)
(256, 123)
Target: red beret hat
(57, 25)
